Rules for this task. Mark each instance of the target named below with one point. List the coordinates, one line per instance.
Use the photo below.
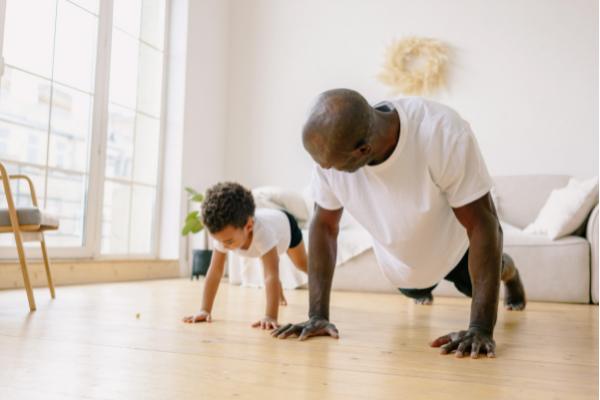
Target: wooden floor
(88, 343)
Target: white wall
(524, 73)
(169, 244)
(196, 115)
(205, 113)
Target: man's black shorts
(459, 276)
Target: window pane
(70, 129)
(127, 16)
(29, 36)
(142, 218)
(150, 85)
(23, 144)
(124, 69)
(75, 53)
(43, 122)
(145, 159)
(66, 195)
(90, 5)
(119, 143)
(21, 193)
(153, 22)
(25, 99)
(115, 218)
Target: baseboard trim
(77, 272)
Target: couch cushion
(520, 198)
(30, 216)
(555, 271)
(552, 270)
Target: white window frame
(98, 141)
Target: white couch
(563, 270)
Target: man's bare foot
(426, 300)
(514, 292)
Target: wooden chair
(28, 225)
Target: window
(46, 98)
(63, 119)
(134, 126)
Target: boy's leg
(282, 300)
(300, 261)
(297, 251)
(419, 296)
(298, 257)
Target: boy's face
(233, 238)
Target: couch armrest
(592, 237)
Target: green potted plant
(193, 223)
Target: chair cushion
(30, 216)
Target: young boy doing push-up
(229, 214)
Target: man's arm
(322, 253)
(485, 261)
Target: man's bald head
(337, 124)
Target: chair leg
(47, 263)
(25, 271)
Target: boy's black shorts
(459, 276)
(296, 232)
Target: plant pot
(200, 263)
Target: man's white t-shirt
(406, 202)
(271, 228)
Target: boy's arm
(211, 285)
(271, 268)
(213, 279)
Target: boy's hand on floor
(201, 316)
(266, 323)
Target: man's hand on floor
(313, 327)
(472, 339)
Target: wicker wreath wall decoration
(420, 81)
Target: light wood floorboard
(88, 343)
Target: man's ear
(364, 150)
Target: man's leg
(514, 292)
(419, 296)
(460, 276)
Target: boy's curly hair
(227, 203)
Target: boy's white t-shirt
(406, 202)
(271, 228)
